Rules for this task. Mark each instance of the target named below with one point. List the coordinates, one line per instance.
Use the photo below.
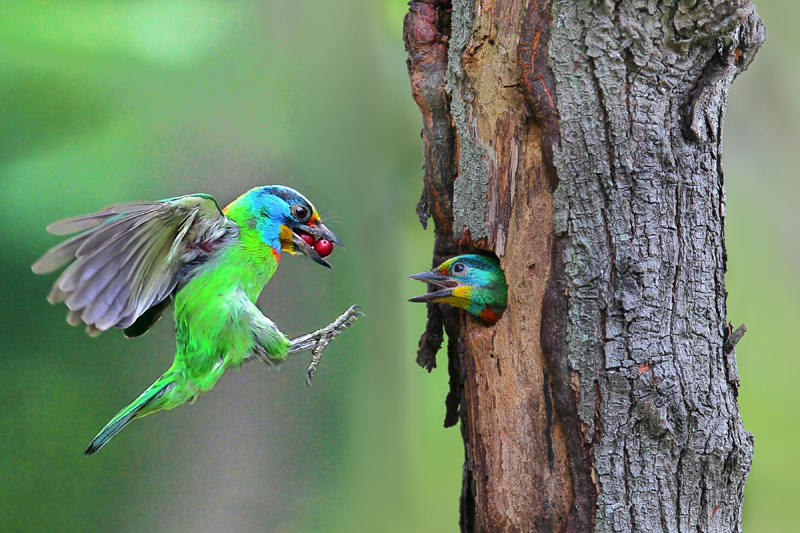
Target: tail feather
(124, 417)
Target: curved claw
(318, 340)
(312, 368)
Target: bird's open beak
(318, 231)
(445, 284)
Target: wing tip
(65, 226)
(39, 267)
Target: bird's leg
(318, 340)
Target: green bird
(476, 283)
(128, 262)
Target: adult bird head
(472, 282)
(284, 220)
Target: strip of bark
(426, 32)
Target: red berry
(308, 238)
(323, 247)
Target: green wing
(128, 258)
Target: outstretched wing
(128, 258)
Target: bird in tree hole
(129, 262)
(472, 282)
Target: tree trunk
(580, 141)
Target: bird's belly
(210, 339)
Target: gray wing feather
(128, 257)
(100, 296)
(59, 256)
(72, 225)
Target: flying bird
(129, 262)
(476, 283)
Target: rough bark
(587, 141)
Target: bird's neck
(244, 264)
(254, 256)
(252, 261)
(487, 303)
(263, 228)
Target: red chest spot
(490, 316)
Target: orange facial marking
(454, 301)
(285, 239)
(465, 292)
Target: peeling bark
(587, 141)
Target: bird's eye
(459, 268)
(300, 212)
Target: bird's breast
(210, 307)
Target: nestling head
(472, 282)
(285, 220)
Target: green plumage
(475, 283)
(131, 260)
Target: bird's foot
(318, 340)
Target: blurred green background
(102, 102)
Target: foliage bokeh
(102, 102)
